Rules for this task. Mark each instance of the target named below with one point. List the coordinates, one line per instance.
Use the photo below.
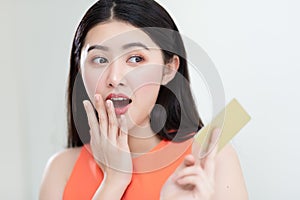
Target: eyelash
(105, 60)
(136, 56)
(94, 60)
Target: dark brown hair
(179, 118)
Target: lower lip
(121, 110)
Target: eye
(100, 60)
(135, 59)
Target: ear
(170, 70)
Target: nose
(115, 75)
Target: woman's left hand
(194, 179)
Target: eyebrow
(99, 47)
(124, 47)
(135, 44)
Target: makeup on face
(122, 64)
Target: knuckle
(101, 117)
(102, 129)
(112, 123)
(94, 132)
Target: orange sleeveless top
(150, 172)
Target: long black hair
(179, 119)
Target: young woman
(129, 60)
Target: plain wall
(255, 48)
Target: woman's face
(121, 63)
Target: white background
(254, 45)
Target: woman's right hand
(109, 141)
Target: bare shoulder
(226, 154)
(64, 159)
(57, 173)
(230, 181)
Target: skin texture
(120, 72)
(136, 72)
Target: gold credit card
(230, 120)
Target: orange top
(150, 172)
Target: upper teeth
(118, 99)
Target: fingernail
(108, 103)
(216, 134)
(122, 117)
(97, 98)
(85, 103)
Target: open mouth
(121, 103)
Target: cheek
(149, 92)
(144, 101)
(144, 77)
(145, 83)
(91, 80)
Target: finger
(206, 189)
(209, 161)
(209, 168)
(123, 134)
(188, 180)
(213, 143)
(212, 148)
(189, 160)
(102, 114)
(189, 171)
(210, 142)
(112, 121)
(199, 183)
(123, 126)
(92, 120)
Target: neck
(142, 140)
